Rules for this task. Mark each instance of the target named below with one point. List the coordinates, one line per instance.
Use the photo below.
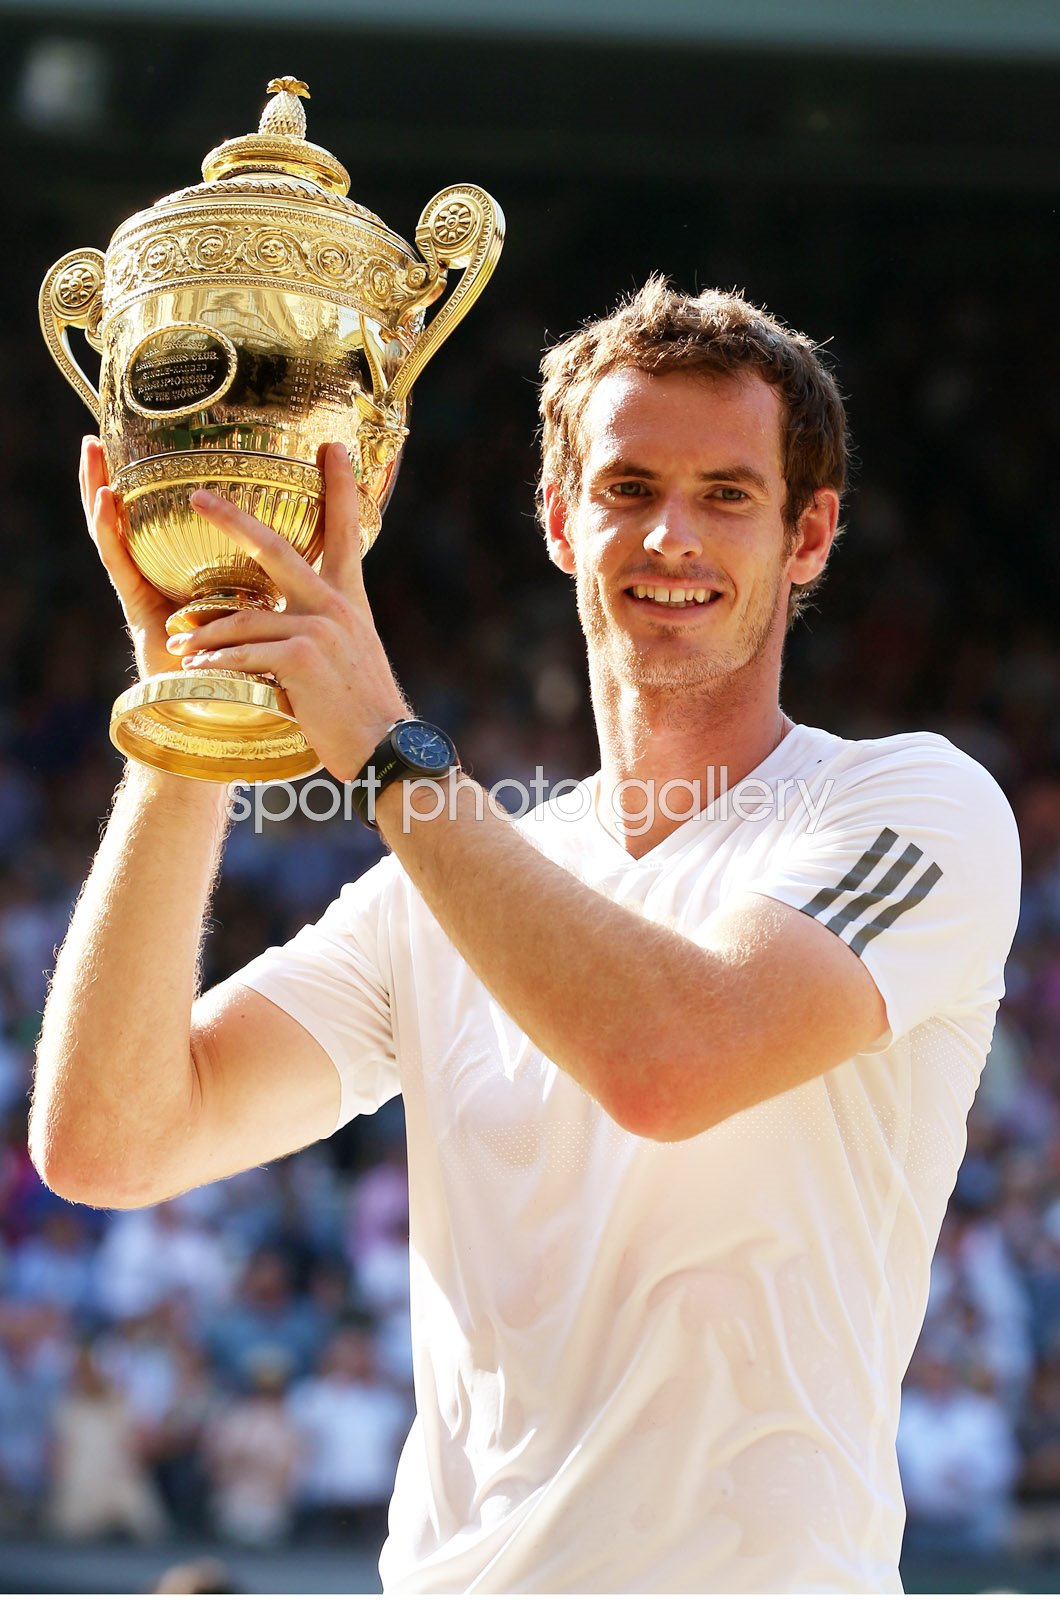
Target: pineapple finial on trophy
(285, 113)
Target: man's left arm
(670, 1036)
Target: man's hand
(323, 648)
(145, 607)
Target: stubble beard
(614, 656)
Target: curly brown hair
(658, 329)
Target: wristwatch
(410, 749)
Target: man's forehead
(685, 408)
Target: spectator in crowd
(379, 1204)
(1039, 1442)
(35, 1363)
(57, 1265)
(253, 1450)
(139, 1356)
(991, 1283)
(380, 1253)
(353, 1423)
(150, 1256)
(23, 1198)
(1043, 1282)
(267, 1321)
(172, 1444)
(100, 1485)
(958, 1461)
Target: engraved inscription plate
(182, 368)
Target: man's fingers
(274, 656)
(103, 521)
(341, 566)
(105, 527)
(142, 603)
(291, 574)
(92, 475)
(238, 627)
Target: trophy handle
(71, 296)
(462, 226)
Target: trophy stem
(218, 603)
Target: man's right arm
(142, 1090)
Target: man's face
(676, 537)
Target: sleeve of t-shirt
(914, 863)
(332, 978)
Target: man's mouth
(672, 596)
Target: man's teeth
(672, 597)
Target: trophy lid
(280, 145)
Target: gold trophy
(243, 324)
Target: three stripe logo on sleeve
(895, 892)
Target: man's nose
(673, 532)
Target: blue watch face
(424, 747)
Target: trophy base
(224, 727)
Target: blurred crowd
(235, 1361)
(238, 1359)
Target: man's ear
(560, 548)
(817, 529)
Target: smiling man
(685, 1092)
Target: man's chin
(698, 675)
(673, 669)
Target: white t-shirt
(646, 1367)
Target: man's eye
(627, 491)
(729, 491)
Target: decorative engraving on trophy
(456, 226)
(210, 248)
(453, 223)
(121, 273)
(77, 287)
(158, 259)
(75, 292)
(179, 369)
(377, 281)
(300, 377)
(240, 748)
(272, 186)
(335, 378)
(311, 259)
(331, 261)
(215, 467)
(331, 388)
(378, 444)
(415, 288)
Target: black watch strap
(387, 764)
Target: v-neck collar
(612, 855)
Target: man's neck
(667, 754)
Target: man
(685, 1079)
